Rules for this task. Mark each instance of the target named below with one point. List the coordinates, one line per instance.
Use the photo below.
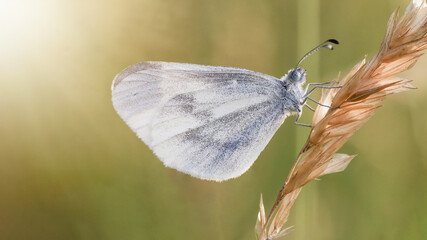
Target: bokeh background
(70, 168)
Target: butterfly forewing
(210, 122)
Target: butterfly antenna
(324, 44)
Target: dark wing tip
(133, 69)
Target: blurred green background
(70, 168)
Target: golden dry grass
(363, 90)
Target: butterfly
(210, 122)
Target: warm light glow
(23, 26)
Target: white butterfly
(207, 121)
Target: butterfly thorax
(293, 82)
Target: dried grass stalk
(363, 90)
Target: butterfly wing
(210, 122)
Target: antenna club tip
(333, 41)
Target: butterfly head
(296, 76)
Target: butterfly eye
(297, 75)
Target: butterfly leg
(315, 84)
(301, 124)
(307, 93)
(323, 105)
(312, 109)
(306, 97)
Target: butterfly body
(294, 81)
(207, 121)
